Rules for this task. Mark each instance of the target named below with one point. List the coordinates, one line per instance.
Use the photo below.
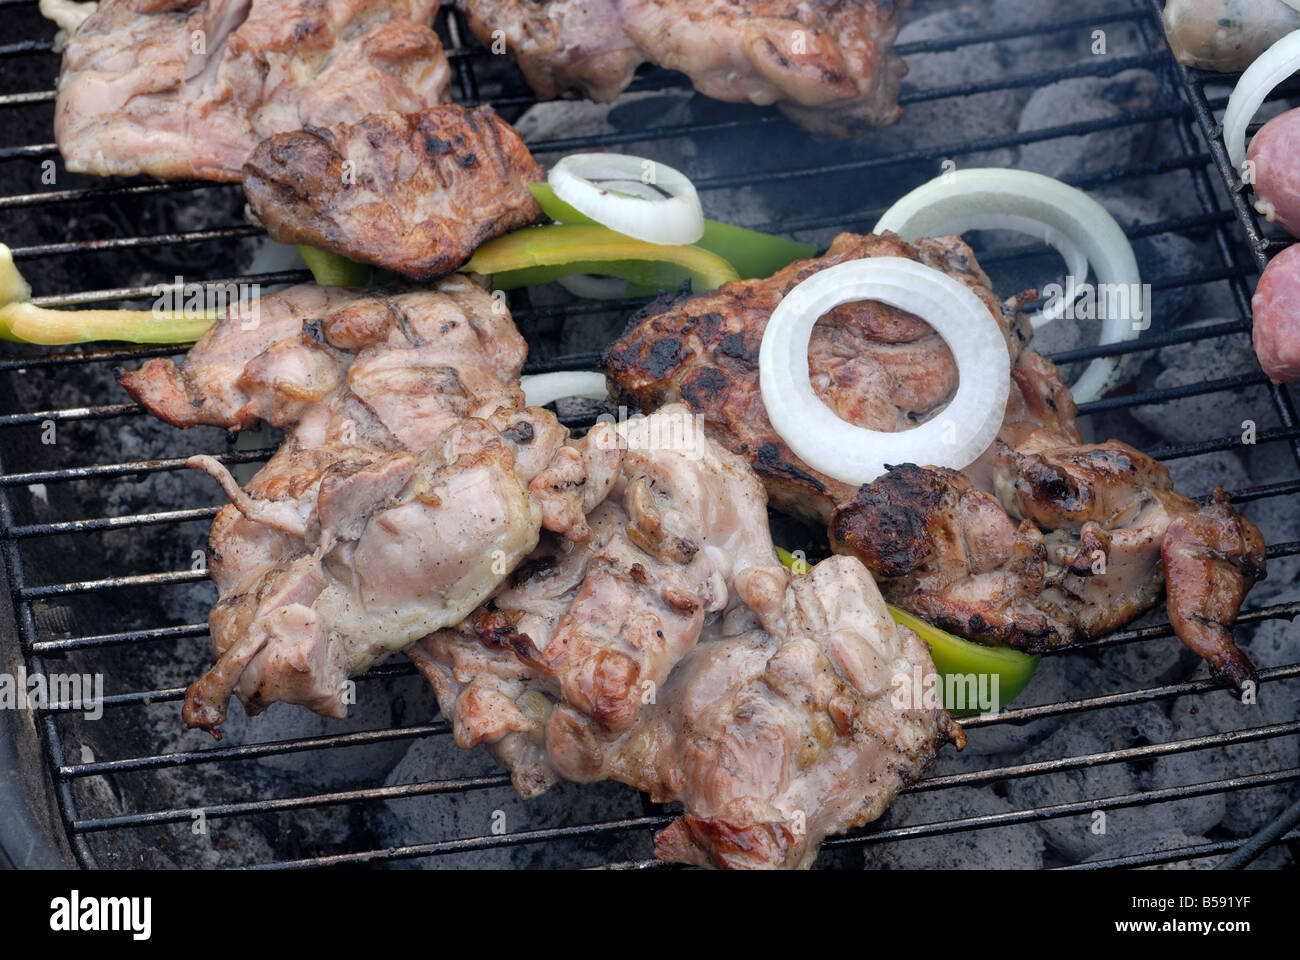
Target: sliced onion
(856, 455)
(1076, 261)
(1065, 217)
(543, 388)
(66, 14)
(585, 181)
(1269, 69)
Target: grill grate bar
(1197, 851)
(1213, 221)
(854, 839)
(168, 577)
(1064, 764)
(1122, 699)
(113, 523)
(107, 411)
(1085, 806)
(283, 804)
(98, 193)
(254, 751)
(181, 632)
(140, 467)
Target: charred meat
(413, 193)
(827, 64)
(1074, 542)
(873, 365)
(187, 88)
(1041, 543)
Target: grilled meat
(1212, 558)
(399, 499)
(413, 193)
(828, 63)
(260, 362)
(672, 652)
(1042, 542)
(680, 537)
(1068, 547)
(187, 88)
(873, 365)
(776, 736)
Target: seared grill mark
(425, 189)
(873, 365)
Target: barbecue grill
(102, 529)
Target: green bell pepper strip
(332, 270)
(641, 275)
(583, 248)
(752, 253)
(955, 655)
(24, 322)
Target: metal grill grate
(68, 615)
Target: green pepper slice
(333, 270)
(752, 253)
(567, 249)
(24, 322)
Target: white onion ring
(675, 220)
(856, 455)
(1269, 69)
(1065, 217)
(543, 388)
(1076, 261)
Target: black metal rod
(1247, 853)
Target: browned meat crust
(1070, 549)
(1212, 558)
(828, 64)
(187, 88)
(412, 193)
(1041, 543)
(874, 365)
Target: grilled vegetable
(538, 254)
(752, 253)
(27, 323)
(857, 455)
(332, 270)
